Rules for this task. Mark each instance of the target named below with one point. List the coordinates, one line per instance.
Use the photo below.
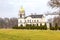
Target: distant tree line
(8, 22)
(54, 27)
(13, 23)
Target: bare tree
(1, 22)
(54, 3)
(13, 22)
(57, 20)
(8, 23)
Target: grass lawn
(13, 34)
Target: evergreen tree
(56, 26)
(41, 26)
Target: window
(28, 21)
(25, 21)
(20, 21)
(34, 20)
(37, 20)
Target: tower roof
(22, 9)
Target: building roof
(35, 16)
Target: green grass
(10, 34)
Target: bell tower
(21, 19)
(22, 12)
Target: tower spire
(22, 12)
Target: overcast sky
(10, 8)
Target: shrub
(59, 28)
(45, 27)
(41, 26)
(15, 27)
(51, 28)
(56, 26)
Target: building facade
(31, 19)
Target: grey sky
(10, 8)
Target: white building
(31, 19)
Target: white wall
(21, 21)
(25, 21)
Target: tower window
(20, 15)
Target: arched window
(37, 20)
(30, 21)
